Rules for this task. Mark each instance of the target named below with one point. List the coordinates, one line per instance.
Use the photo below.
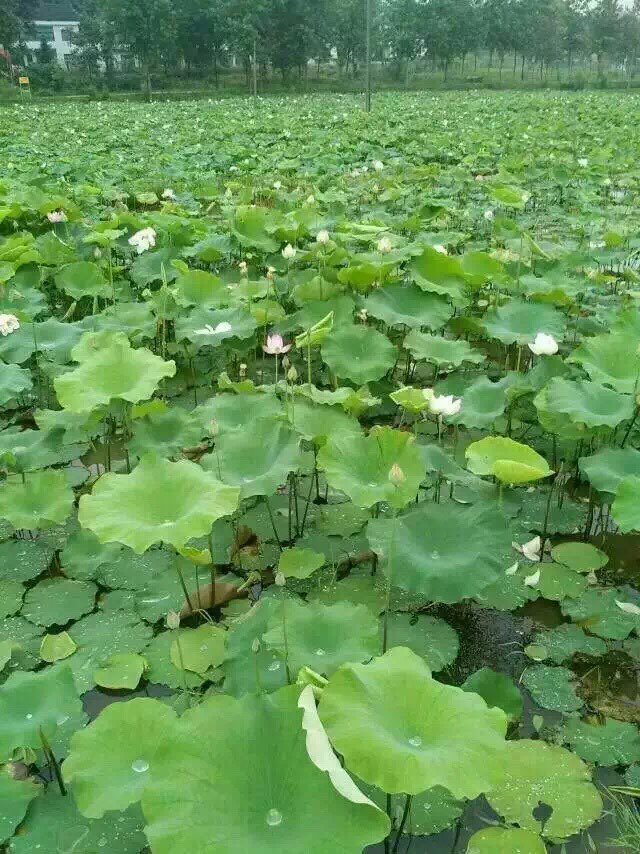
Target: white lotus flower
(532, 580)
(8, 324)
(322, 237)
(441, 249)
(168, 194)
(445, 405)
(543, 345)
(384, 245)
(378, 165)
(488, 214)
(628, 608)
(583, 162)
(218, 330)
(289, 252)
(242, 266)
(530, 550)
(512, 569)
(57, 216)
(227, 193)
(143, 240)
(277, 185)
(311, 200)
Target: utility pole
(255, 71)
(368, 56)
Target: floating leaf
(199, 649)
(509, 461)
(299, 563)
(497, 690)
(57, 647)
(608, 743)
(581, 557)
(567, 639)
(358, 353)
(15, 796)
(596, 610)
(552, 687)
(43, 499)
(429, 637)
(56, 601)
(123, 670)
(505, 840)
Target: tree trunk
(515, 62)
(522, 68)
(147, 78)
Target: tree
(605, 28)
(201, 32)
(15, 17)
(45, 54)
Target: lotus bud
(255, 646)
(173, 620)
(289, 252)
(396, 475)
(285, 362)
(243, 268)
(322, 237)
(213, 427)
(292, 374)
(243, 369)
(384, 245)
(280, 580)
(363, 314)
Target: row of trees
(287, 35)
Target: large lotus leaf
(605, 469)
(159, 501)
(11, 593)
(317, 423)
(581, 557)
(360, 466)
(341, 520)
(429, 637)
(134, 318)
(224, 324)
(300, 563)
(201, 288)
(255, 461)
(83, 556)
(557, 582)
(537, 773)
(154, 267)
(116, 371)
(482, 403)
(608, 743)
(552, 687)
(508, 592)
(323, 636)
(82, 279)
(519, 322)
(113, 759)
(398, 728)
(253, 226)
(441, 351)
(35, 703)
(429, 812)
(556, 422)
(28, 450)
(588, 403)
(232, 412)
(626, 507)
(24, 639)
(359, 587)
(358, 353)
(277, 800)
(431, 557)
(506, 840)
(565, 640)
(13, 381)
(596, 610)
(497, 690)
(53, 339)
(611, 359)
(43, 499)
(164, 433)
(509, 461)
(408, 305)
(15, 797)
(53, 823)
(438, 273)
(55, 601)
(100, 636)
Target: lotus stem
(52, 761)
(273, 524)
(403, 821)
(212, 571)
(387, 606)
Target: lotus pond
(320, 479)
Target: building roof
(57, 11)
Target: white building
(53, 23)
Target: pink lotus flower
(275, 346)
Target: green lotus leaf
(256, 461)
(52, 338)
(323, 636)
(300, 563)
(632, 776)
(211, 328)
(626, 507)
(439, 274)
(505, 840)
(552, 687)
(211, 248)
(53, 819)
(11, 593)
(13, 381)
(429, 812)
(561, 643)
(29, 450)
(123, 670)
(359, 588)
(557, 423)
(253, 226)
(430, 637)
(162, 671)
(408, 305)
(57, 647)
(116, 371)
(519, 322)
(411, 399)
(358, 353)
(537, 773)
(497, 690)
(199, 649)
(201, 288)
(43, 499)
(341, 520)
(113, 759)
(509, 461)
(375, 715)
(597, 611)
(159, 501)
(510, 197)
(508, 591)
(432, 559)
(441, 351)
(581, 557)
(482, 403)
(611, 359)
(556, 582)
(24, 640)
(82, 279)
(35, 703)
(133, 318)
(316, 423)
(154, 266)
(588, 403)
(360, 466)
(15, 796)
(100, 636)
(164, 433)
(608, 743)
(237, 411)
(609, 466)
(55, 601)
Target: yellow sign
(23, 81)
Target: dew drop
(274, 818)
(435, 555)
(140, 765)
(320, 652)
(275, 665)
(415, 741)
(203, 648)
(29, 716)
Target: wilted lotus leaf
(362, 466)
(509, 461)
(159, 501)
(199, 800)
(113, 371)
(537, 773)
(404, 732)
(358, 353)
(43, 499)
